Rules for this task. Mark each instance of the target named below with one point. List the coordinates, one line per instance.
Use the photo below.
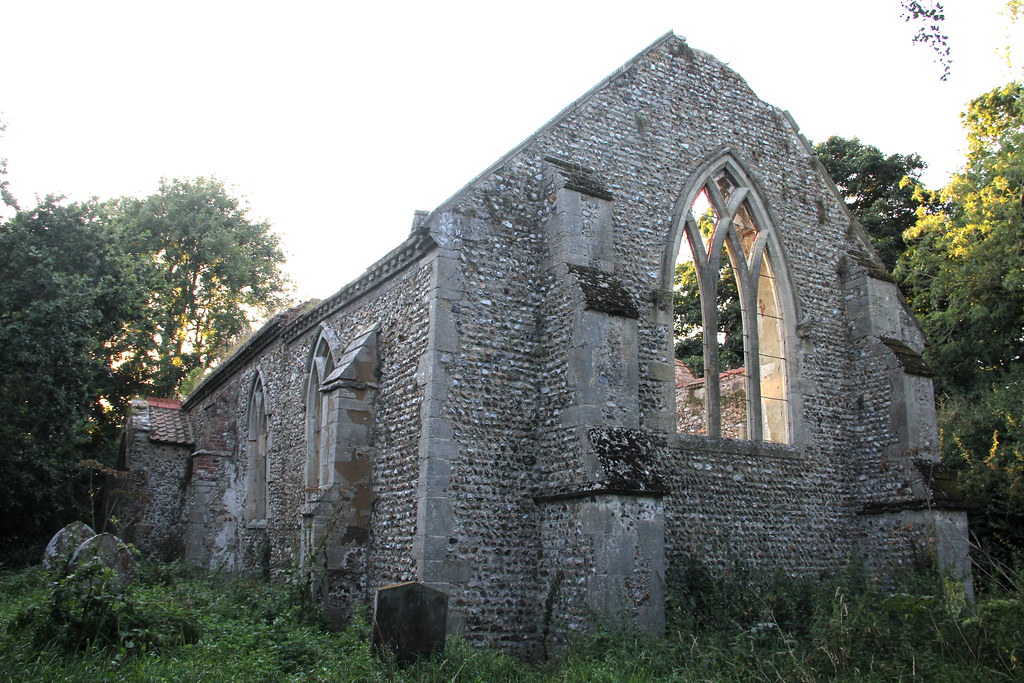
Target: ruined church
(495, 408)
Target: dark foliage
(881, 191)
(66, 292)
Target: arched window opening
(256, 450)
(728, 317)
(317, 411)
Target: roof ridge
(164, 402)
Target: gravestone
(409, 621)
(107, 550)
(63, 544)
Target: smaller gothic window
(256, 451)
(317, 413)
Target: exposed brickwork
(217, 427)
(205, 467)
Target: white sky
(337, 121)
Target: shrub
(737, 627)
(88, 607)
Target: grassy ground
(175, 624)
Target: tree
(5, 193)
(102, 301)
(983, 442)
(66, 292)
(964, 276)
(964, 270)
(689, 328)
(211, 269)
(930, 16)
(883, 192)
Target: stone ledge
(760, 449)
(909, 505)
(607, 488)
(909, 359)
(219, 454)
(871, 268)
(604, 293)
(580, 179)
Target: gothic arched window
(256, 452)
(729, 312)
(321, 365)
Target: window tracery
(729, 315)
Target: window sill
(758, 449)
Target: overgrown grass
(177, 624)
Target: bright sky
(338, 120)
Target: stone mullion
(717, 199)
(708, 282)
(736, 200)
(709, 308)
(751, 353)
(707, 288)
(698, 250)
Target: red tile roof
(168, 423)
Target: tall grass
(736, 627)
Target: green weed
(739, 626)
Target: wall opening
(256, 451)
(317, 412)
(728, 318)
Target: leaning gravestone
(106, 550)
(409, 621)
(63, 544)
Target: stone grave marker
(409, 621)
(109, 551)
(63, 544)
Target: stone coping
(295, 322)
